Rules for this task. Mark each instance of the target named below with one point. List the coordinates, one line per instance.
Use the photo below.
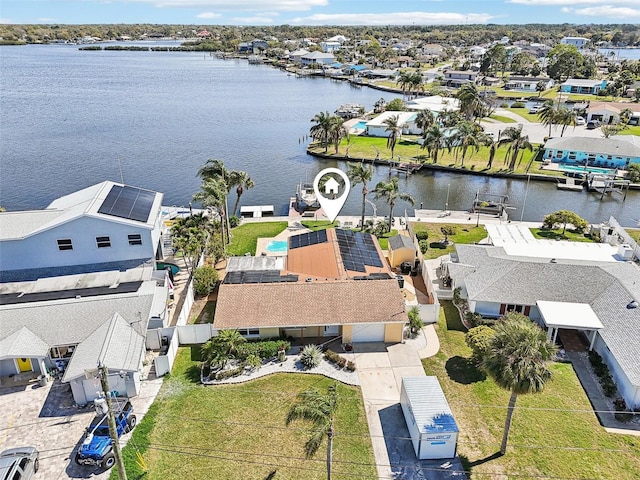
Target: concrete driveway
(380, 369)
(47, 418)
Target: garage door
(368, 332)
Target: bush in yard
(473, 319)
(422, 235)
(341, 362)
(634, 172)
(233, 372)
(517, 105)
(424, 246)
(205, 280)
(478, 339)
(415, 322)
(264, 349)
(311, 356)
(234, 221)
(351, 366)
(253, 361)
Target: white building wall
(628, 391)
(410, 420)
(41, 250)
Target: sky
(319, 12)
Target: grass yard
(630, 130)
(556, 234)
(245, 237)
(502, 119)
(238, 431)
(635, 233)
(524, 113)
(465, 234)
(554, 434)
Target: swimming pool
(164, 265)
(361, 125)
(277, 246)
(578, 168)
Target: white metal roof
(569, 315)
(429, 405)
(403, 117)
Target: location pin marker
(330, 198)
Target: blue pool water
(163, 266)
(577, 168)
(277, 246)
(361, 125)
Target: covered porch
(569, 316)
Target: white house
(520, 273)
(329, 47)
(296, 55)
(106, 226)
(377, 128)
(434, 103)
(575, 41)
(527, 84)
(319, 58)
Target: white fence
(626, 238)
(163, 363)
(183, 316)
(195, 334)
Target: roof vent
(632, 304)
(553, 260)
(308, 279)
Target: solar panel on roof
(306, 239)
(128, 202)
(257, 276)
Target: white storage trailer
(434, 432)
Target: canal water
(73, 118)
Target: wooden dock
(570, 184)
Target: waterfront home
(583, 86)
(434, 103)
(254, 46)
(614, 152)
(332, 283)
(578, 42)
(570, 289)
(457, 78)
(296, 56)
(330, 47)
(608, 113)
(316, 58)
(527, 84)
(377, 128)
(108, 226)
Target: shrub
(253, 361)
(478, 339)
(311, 356)
(634, 172)
(517, 105)
(473, 319)
(422, 235)
(234, 221)
(415, 322)
(424, 246)
(331, 356)
(232, 372)
(264, 349)
(504, 105)
(351, 366)
(205, 280)
(341, 362)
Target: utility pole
(113, 432)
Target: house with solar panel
(330, 284)
(78, 286)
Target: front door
(331, 331)
(24, 364)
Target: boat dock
(257, 211)
(570, 184)
(607, 184)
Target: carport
(571, 316)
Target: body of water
(621, 53)
(71, 118)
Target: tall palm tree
(321, 131)
(517, 361)
(320, 410)
(213, 194)
(548, 114)
(468, 135)
(395, 131)
(424, 119)
(516, 141)
(242, 181)
(390, 191)
(361, 173)
(434, 140)
(566, 117)
(471, 102)
(404, 81)
(215, 169)
(417, 83)
(493, 145)
(541, 86)
(337, 131)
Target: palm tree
(517, 361)
(337, 131)
(434, 140)
(470, 100)
(493, 145)
(213, 194)
(321, 131)
(541, 87)
(242, 181)
(417, 83)
(404, 81)
(566, 117)
(222, 347)
(467, 135)
(320, 410)
(395, 131)
(513, 136)
(361, 173)
(424, 119)
(548, 114)
(390, 191)
(215, 169)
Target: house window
(103, 242)
(57, 353)
(515, 308)
(135, 239)
(65, 244)
(249, 332)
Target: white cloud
(400, 18)
(240, 5)
(547, 3)
(605, 11)
(208, 15)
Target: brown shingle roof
(313, 303)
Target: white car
(580, 121)
(535, 109)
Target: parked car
(535, 109)
(19, 463)
(97, 448)
(580, 121)
(593, 124)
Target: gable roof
(114, 344)
(401, 241)
(618, 147)
(23, 343)
(309, 303)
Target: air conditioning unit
(625, 251)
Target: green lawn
(631, 130)
(524, 113)
(238, 431)
(245, 237)
(500, 118)
(554, 433)
(570, 235)
(634, 232)
(465, 234)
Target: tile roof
(312, 303)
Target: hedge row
(339, 360)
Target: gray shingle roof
(401, 241)
(23, 343)
(608, 146)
